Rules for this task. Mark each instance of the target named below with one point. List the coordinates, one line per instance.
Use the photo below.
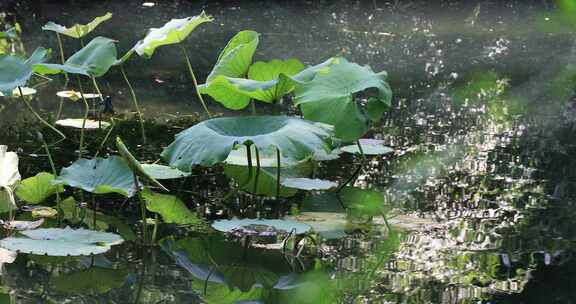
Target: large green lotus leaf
(171, 208)
(77, 30)
(284, 226)
(211, 141)
(9, 178)
(94, 60)
(175, 31)
(267, 177)
(99, 176)
(235, 93)
(94, 280)
(15, 71)
(362, 201)
(135, 165)
(36, 189)
(62, 242)
(163, 172)
(329, 98)
(236, 57)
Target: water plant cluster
(273, 156)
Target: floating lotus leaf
(15, 71)
(171, 208)
(369, 147)
(280, 226)
(74, 96)
(268, 82)
(62, 242)
(236, 57)
(175, 31)
(43, 212)
(99, 176)
(9, 178)
(95, 280)
(93, 60)
(239, 157)
(211, 141)
(329, 98)
(77, 30)
(163, 172)
(36, 189)
(23, 225)
(329, 225)
(303, 183)
(77, 123)
(26, 91)
(135, 165)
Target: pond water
(479, 188)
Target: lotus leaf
(43, 212)
(329, 98)
(283, 226)
(329, 225)
(266, 157)
(36, 189)
(175, 31)
(211, 141)
(62, 242)
(163, 172)
(9, 178)
(171, 208)
(99, 176)
(236, 57)
(303, 183)
(15, 71)
(77, 30)
(23, 225)
(369, 147)
(77, 123)
(362, 201)
(93, 60)
(74, 96)
(26, 91)
(96, 280)
(235, 93)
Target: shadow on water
(479, 188)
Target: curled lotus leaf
(135, 165)
(330, 98)
(99, 176)
(15, 71)
(93, 60)
(211, 141)
(77, 30)
(62, 242)
(163, 172)
(267, 226)
(236, 57)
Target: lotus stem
(185, 52)
(61, 47)
(110, 129)
(249, 159)
(142, 211)
(253, 104)
(86, 110)
(59, 113)
(277, 174)
(257, 170)
(53, 167)
(155, 230)
(136, 106)
(31, 109)
(355, 173)
(97, 88)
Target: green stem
(249, 159)
(257, 170)
(110, 129)
(136, 106)
(194, 80)
(62, 59)
(60, 106)
(142, 211)
(97, 88)
(253, 104)
(355, 173)
(54, 172)
(29, 106)
(155, 230)
(86, 110)
(277, 174)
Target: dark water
(481, 181)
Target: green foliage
(95, 280)
(99, 176)
(135, 165)
(329, 98)
(93, 60)
(171, 208)
(363, 202)
(15, 71)
(211, 141)
(77, 30)
(36, 189)
(236, 57)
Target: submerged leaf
(62, 242)
(329, 98)
(99, 176)
(36, 189)
(15, 71)
(93, 60)
(175, 31)
(362, 201)
(77, 30)
(172, 209)
(211, 141)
